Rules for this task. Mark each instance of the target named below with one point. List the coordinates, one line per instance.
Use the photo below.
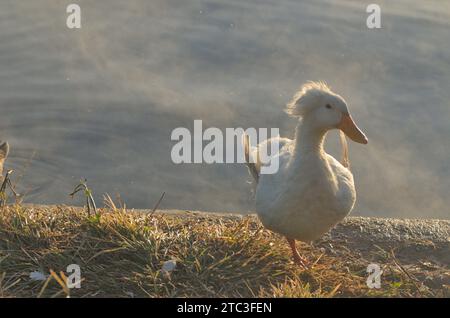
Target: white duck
(312, 191)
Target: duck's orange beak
(348, 126)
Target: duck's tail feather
(345, 159)
(253, 167)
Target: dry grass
(121, 254)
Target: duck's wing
(253, 163)
(252, 158)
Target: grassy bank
(122, 253)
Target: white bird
(311, 191)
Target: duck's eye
(328, 106)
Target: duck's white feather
(305, 204)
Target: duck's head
(324, 110)
(4, 150)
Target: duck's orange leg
(299, 260)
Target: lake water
(101, 102)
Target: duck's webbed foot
(298, 259)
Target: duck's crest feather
(306, 92)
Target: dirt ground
(419, 248)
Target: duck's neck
(309, 139)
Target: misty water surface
(101, 102)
